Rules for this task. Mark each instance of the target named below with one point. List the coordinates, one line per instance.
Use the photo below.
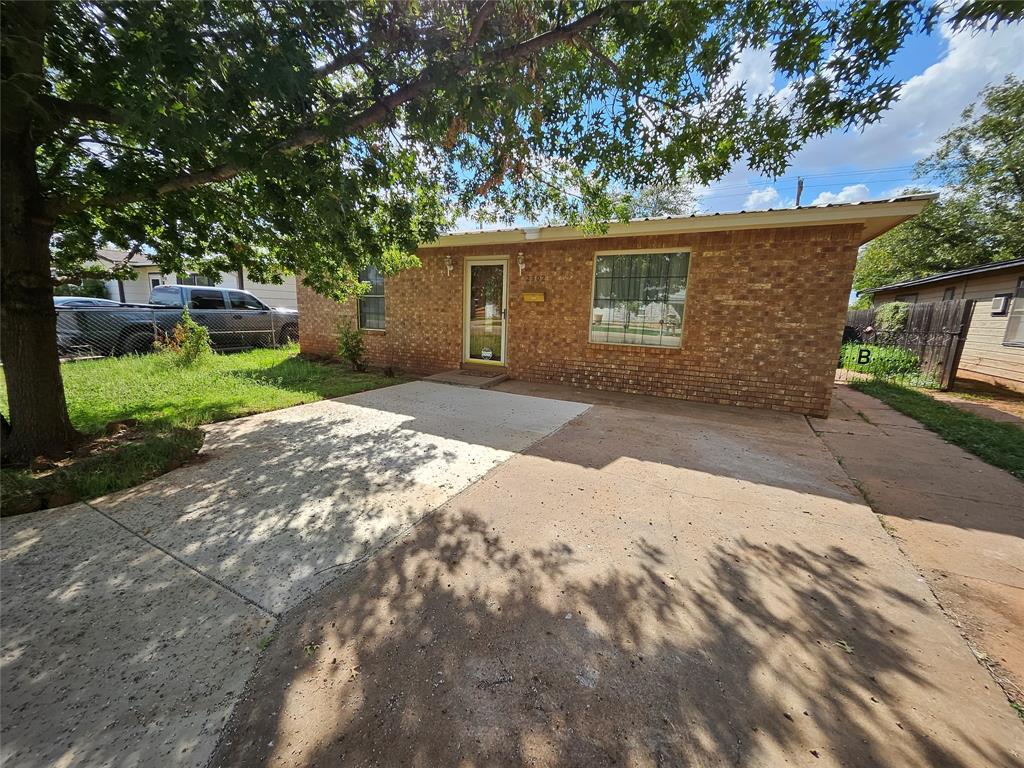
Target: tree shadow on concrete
(477, 642)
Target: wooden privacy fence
(914, 344)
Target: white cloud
(929, 105)
(761, 199)
(851, 194)
(754, 67)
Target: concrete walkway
(656, 584)
(131, 624)
(960, 520)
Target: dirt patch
(988, 400)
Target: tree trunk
(39, 423)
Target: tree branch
(78, 110)
(340, 62)
(427, 80)
(116, 271)
(478, 22)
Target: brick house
(741, 309)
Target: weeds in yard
(188, 343)
(885, 362)
(997, 443)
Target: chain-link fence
(104, 331)
(917, 346)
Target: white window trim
(1015, 301)
(637, 252)
(381, 296)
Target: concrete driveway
(655, 584)
(492, 578)
(131, 624)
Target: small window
(907, 298)
(639, 299)
(1014, 336)
(371, 303)
(240, 300)
(166, 296)
(155, 279)
(949, 294)
(194, 278)
(206, 299)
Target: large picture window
(371, 303)
(639, 299)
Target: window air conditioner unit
(1000, 304)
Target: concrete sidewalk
(658, 583)
(131, 624)
(960, 520)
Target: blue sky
(942, 74)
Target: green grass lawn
(998, 443)
(165, 404)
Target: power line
(830, 174)
(818, 186)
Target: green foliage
(863, 301)
(352, 346)
(113, 469)
(998, 443)
(188, 343)
(662, 200)
(892, 316)
(323, 137)
(168, 402)
(90, 287)
(885, 362)
(978, 219)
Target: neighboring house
(740, 309)
(994, 348)
(137, 291)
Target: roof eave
(877, 217)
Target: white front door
(486, 311)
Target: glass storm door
(485, 311)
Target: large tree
(980, 216)
(320, 137)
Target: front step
(477, 378)
(483, 369)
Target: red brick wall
(763, 318)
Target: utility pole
(799, 189)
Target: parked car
(235, 319)
(83, 301)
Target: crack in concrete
(185, 563)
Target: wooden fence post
(956, 347)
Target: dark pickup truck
(235, 319)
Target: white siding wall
(137, 291)
(275, 295)
(984, 354)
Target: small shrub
(884, 362)
(188, 343)
(892, 316)
(352, 346)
